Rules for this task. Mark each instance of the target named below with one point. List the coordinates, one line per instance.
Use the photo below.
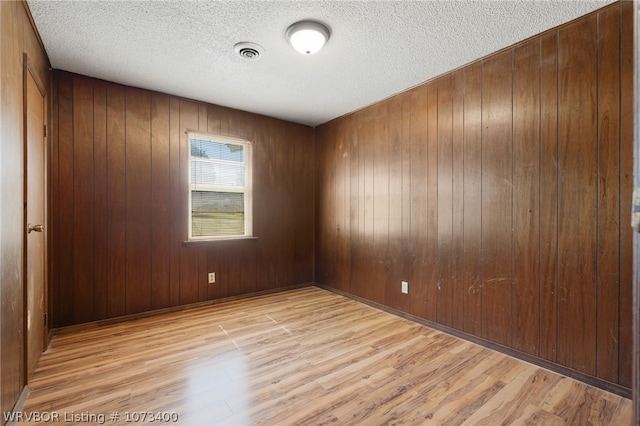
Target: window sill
(196, 243)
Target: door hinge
(45, 319)
(45, 130)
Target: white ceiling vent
(249, 51)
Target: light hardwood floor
(306, 356)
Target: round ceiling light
(307, 37)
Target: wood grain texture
(497, 202)
(380, 200)
(405, 260)
(626, 352)
(357, 205)
(548, 196)
(17, 37)
(396, 219)
(445, 202)
(472, 204)
(36, 151)
(608, 249)
(116, 206)
(418, 204)
(520, 186)
(431, 189)
(100, 204)
(343, 209)
(160, 201)
(65, 201)
(577, 194)
(138, 201)
(188, 265)
(126, 253)
(526, 198)
(457, 203)
(306, 356)
(83, 207)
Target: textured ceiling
(376, 49)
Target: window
(219, 187)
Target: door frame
(30, 70)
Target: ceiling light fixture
(307, 37)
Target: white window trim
(248, 188)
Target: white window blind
(219, 187)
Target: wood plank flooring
(303, 357)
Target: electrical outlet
(212, 277)
(405, 287)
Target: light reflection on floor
(216, 388)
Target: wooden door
(35, 196)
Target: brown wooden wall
(501, 192)
(119, 209)
(18, 37)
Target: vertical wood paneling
(342, 209)
(405, 222)
(457, 230)
(445, 202)
(520, 186)
(367, 247)
(274, 266)
(497, 190)
(626, 190)
(116, 202)
(123, 155)
(322, 229)
(281, 235)
(418, 233)
(608, 267)
(548, 196)
(176, 214)
(138, 200)
(577, 194)
(394, 254)
(100, 225)
(188, 255)
(381, 150)
(214, 264)
(54, 207)
(472, 278)
(526, 198)
(17, 39)
(160, 201)
(203, 278)
(356, 213)
(304, 158)
(65, 297)
(260, 195)
(432, 201)
(12, 245)
(239, 124)
(233, 263)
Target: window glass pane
(217, 150)
(217, 173)
(217, 213)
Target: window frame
(247, 190)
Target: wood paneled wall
(501, 192)
(119, 210)
(18, 37)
